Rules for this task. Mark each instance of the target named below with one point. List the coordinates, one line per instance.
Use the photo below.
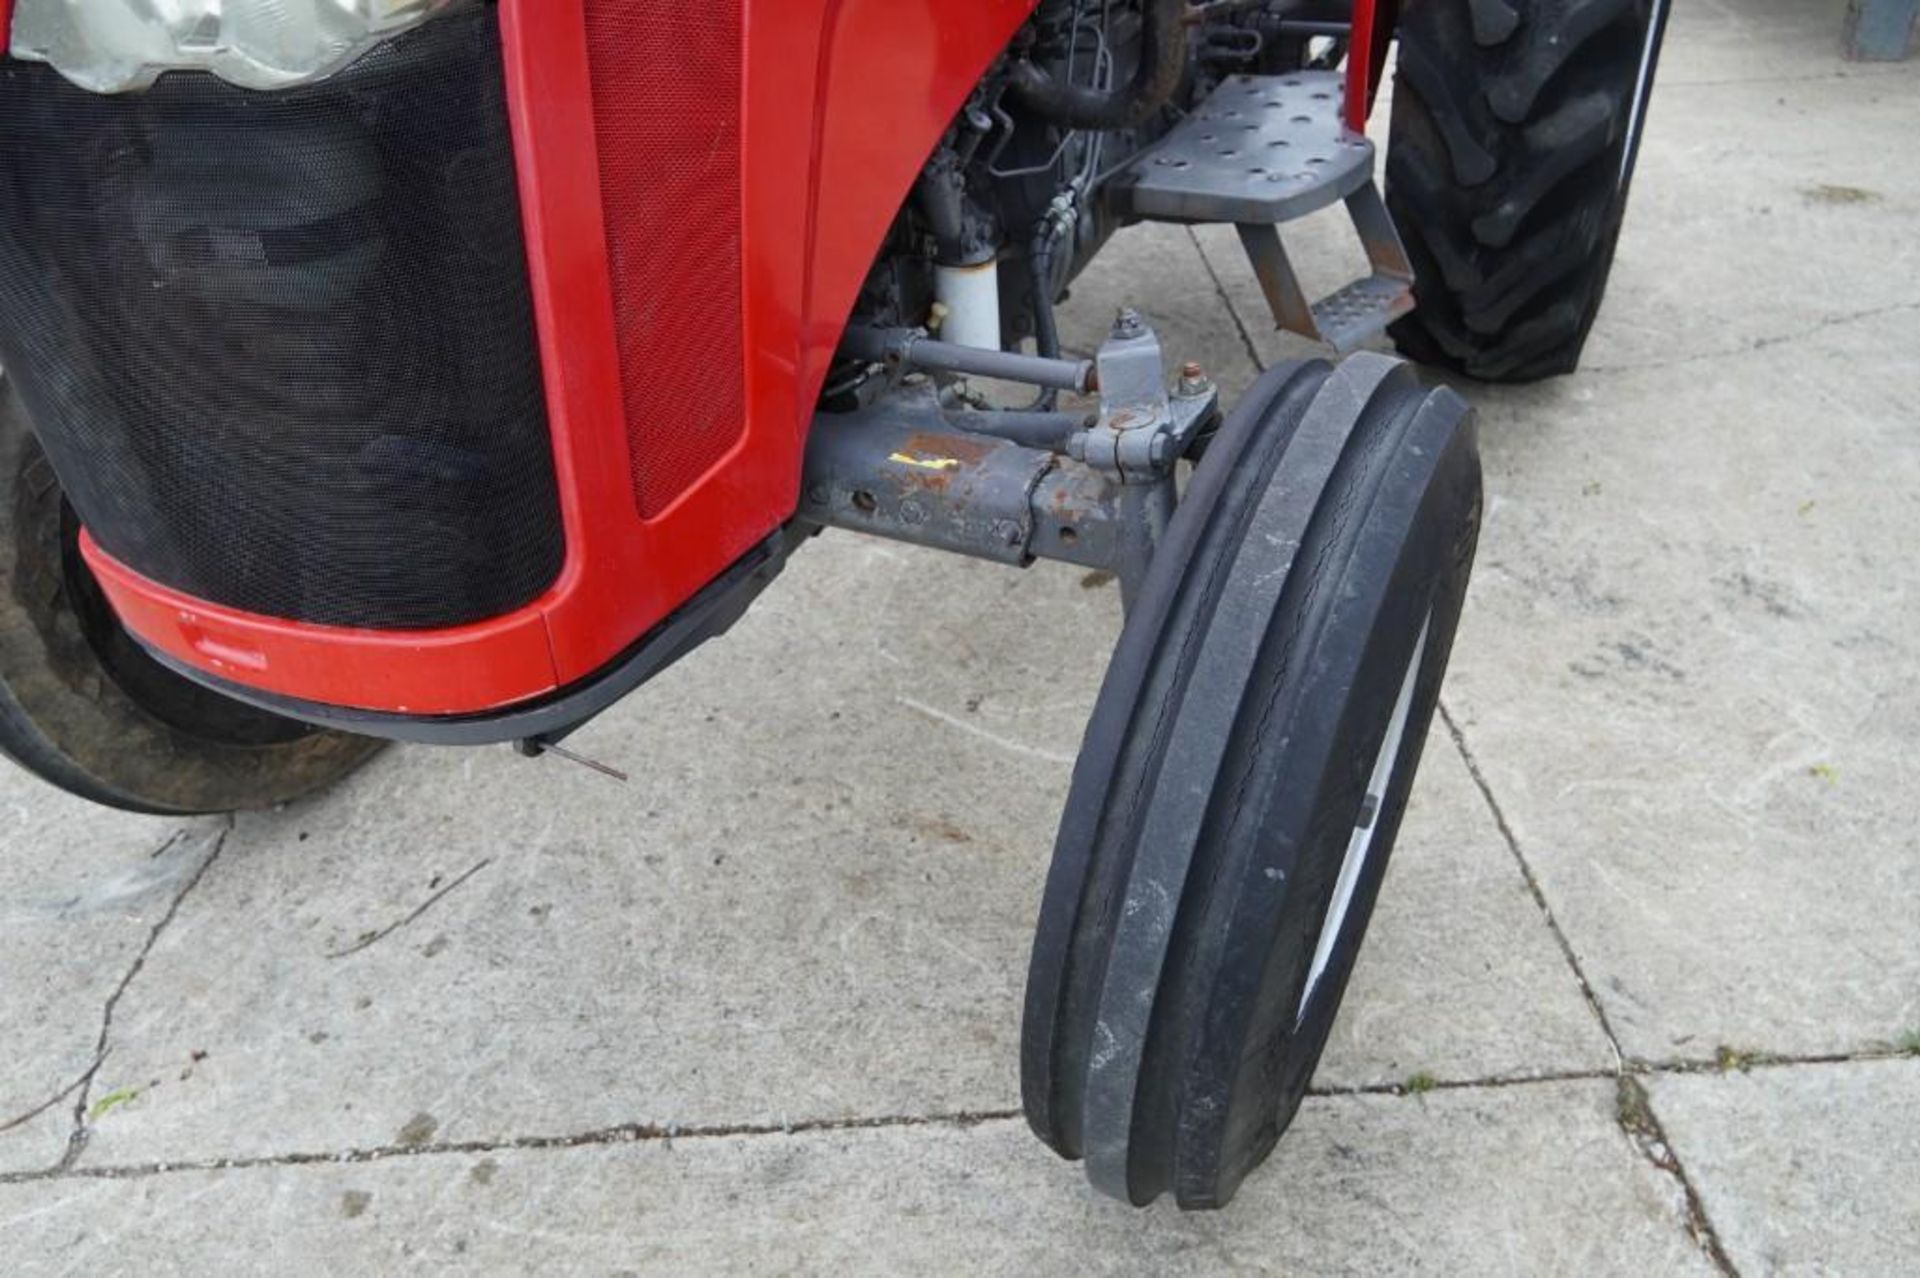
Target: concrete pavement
(1642, 995)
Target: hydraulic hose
(1046, 330)
(1163, 56)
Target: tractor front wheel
(84, 707)
(1243, 777)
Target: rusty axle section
(1096, 489)
(908, 471)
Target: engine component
(969, 298)
(1163, 59)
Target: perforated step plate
(1262, 148)
(1357, 311)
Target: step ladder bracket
(1263, 150)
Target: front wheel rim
(1364, 840)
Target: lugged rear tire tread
(1508, 138)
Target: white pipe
(970, 297)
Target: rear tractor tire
(1515, 128)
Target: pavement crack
(1493, 1083)
(1633, 1066)
(1761, 343)
(979, 733)
(172, 841)
(619, 1134)
(667, 1133)
(82, 1131)
(373, 938)
(28, 1116)
(1533, 884)
(1850, 73)
(1220, 287)
(1634, 1109)
(1634, 1112)
(1748, 1062)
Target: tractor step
(1261, 148)
(1365, 306)
(1266, 149)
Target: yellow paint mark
(927, 463)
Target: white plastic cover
(113, 46)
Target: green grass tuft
(118, 1096)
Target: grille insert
(279, 346)
(666, 99)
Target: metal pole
(906, 348)
(1880, 30)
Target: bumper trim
(550, 718)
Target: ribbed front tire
(1243, 778)
(1514, 131)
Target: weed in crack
(1634, 1112)
(84, 1106)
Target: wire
(1102, 80)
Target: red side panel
(6, 24)
(666, 111)
(669, 469)
(841, 100)
(1373, 23)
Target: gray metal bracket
(1355, 312)
(1090, 489)
(1263, 150)
(1142, 428)
(907, 470)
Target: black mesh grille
(279, 346)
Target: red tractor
(440, 370)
